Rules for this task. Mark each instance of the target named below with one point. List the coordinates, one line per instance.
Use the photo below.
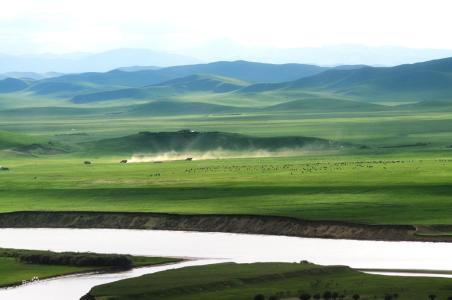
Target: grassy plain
(373, 128)
(286, 281)
(379, 189)
(403, 176)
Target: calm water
(209, 248)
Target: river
(203, 248)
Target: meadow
(399, 173)
(365, 189)
(272, 281)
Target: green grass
(10, 139)
(14, 271)
(350, 185)
(244, 281)
(378, 189)
(373, 128)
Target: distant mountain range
(426, 81)
(73, 84)
(87, 62)
(330, 55)
(144, 59)
(241, 86)
(29, 75)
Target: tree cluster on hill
(69, 258)
(77, 259)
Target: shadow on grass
(199, 193)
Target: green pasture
(278, 280)
(397, 188)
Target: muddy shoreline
(268, 225)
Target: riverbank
(252, 224)
(19, 267)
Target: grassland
(397, 171)
(378, 189)
(402, 177)
(282, 280)
(14, 269)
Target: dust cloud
(214, 154)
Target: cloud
(96, 25)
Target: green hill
(50, 112)
(179, 108)
(426, 81)
(192, 83)
(216, 84)
(247, 71)
(428, 106)
(326, 105)
(242, 70)
(12, 139)
(29, 145)
(230, 281)
(62, 89)
(9, 85)
(129, 93)
(186, 140)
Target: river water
(203, 248)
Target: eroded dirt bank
(216, 223)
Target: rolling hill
(326, 105)
(426, 81)
(12, 139)
(9, 85)
(53, 112)
(227, 82)
(120, 78)
(63, 89)
(192, 83)
(171, 108)
(187, 140)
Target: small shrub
(259, 297)
(305, 296)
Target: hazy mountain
(137, 68)
(10, 85)
(219, 50)
(331, 55)
(86, 62)
(243, 70)
(29, 75)
(240, 70)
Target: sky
(66, 26)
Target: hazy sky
(60, 26)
